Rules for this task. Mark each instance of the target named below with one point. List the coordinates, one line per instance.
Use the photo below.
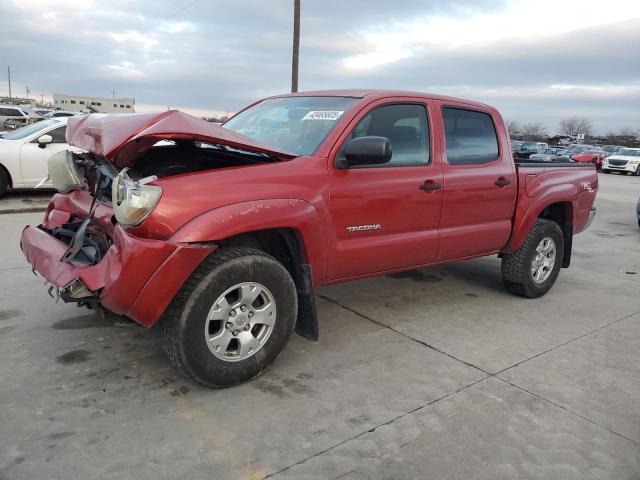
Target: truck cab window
(471, 137)
(406, 127)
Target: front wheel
(232, 318)
(532, 270)
(604, 170)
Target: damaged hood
(122, 138)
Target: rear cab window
(470, 136)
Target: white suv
(12, 112)
(627, 160)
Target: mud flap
(567, 231)
(307, 321)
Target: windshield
(23, 132)
(294, 124)
(629, 153)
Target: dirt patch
(74, 356)
(416, 276)
(77, 323)
(7, 314)
(8, 329)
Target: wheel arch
(562, 212)
(290, 230)
(9, 178)
(286, 245)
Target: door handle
(430, 186)
(502, 182)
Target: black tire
(637, 172)
(606, 171)
(516, 267)
(183, 324)
(4, 181)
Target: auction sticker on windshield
(323, 115)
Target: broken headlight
(133, 200)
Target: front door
(33, 157)
(383, 216)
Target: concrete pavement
(24, 201)
(437, 373)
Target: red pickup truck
(221, 233)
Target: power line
(159, 24)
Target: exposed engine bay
(126, 190)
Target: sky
(535, 60)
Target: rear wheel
(532, 270)
(232, 318)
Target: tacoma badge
(360, 228)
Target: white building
(77, 103)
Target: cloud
(535, 60)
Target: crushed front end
(86, 256)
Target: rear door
(480, 182)
(382, 217)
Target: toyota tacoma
(220, 234)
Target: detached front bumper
(136, 277)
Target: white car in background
(24, 153)
(626, 160)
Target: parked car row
(13, 116)
(539, 151)
(524, 149)
(16, 116)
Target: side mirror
(368, 151)
(44, 140)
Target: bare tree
(513, 128)
(628, 132)
(575, 125)
(533, 130)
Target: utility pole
(9, 75)
(28, 90)
(296, 46)
(114, 93)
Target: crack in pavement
(388, 327)
(568, 342)
(373, 429)
(487, 376)
(568, 410)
